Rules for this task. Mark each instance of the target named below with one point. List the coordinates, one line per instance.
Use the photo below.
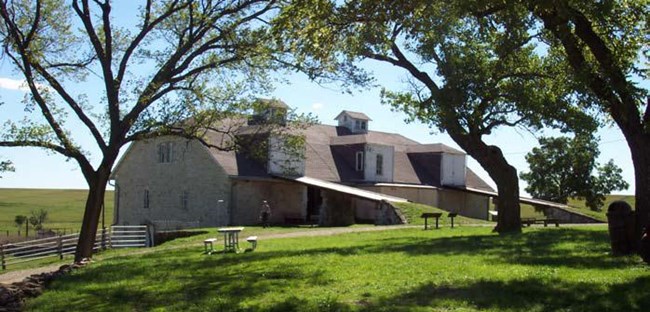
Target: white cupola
(356, 122)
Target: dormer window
(363, 125)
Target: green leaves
(562, 168)
(6, 166)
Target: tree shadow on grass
(145, 286)
(178, 280)
(520, 295)
(575, 248)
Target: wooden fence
(60, 245)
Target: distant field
(578, 205)
(65, 207)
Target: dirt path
(19, 275)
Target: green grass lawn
(65, 207)
(461, 269)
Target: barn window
(184, 197)
(380, 164)
(145, 198)
(359, 161)
(165, 152)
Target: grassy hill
(413, 211)
(579, 205)
(65, 207)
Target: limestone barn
(345, 174)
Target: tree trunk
(94, 202)
(640, 150)
(504, 175)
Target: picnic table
(230, 238)
(531, 221)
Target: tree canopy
(561, 168)
(469, 73)
(173, 67)
(606, 45)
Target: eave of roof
(525, 200)
(344, 189)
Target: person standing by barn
(265, 213)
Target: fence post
(103, 238)
(59, 248)
(110, 238)
(2, 257)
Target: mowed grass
(461, 269)
(65, 207)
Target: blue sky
(39, 169)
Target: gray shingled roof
(413, 162)
(355, 115)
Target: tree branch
(84, 164)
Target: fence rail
(60, 245)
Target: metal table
(230, 238)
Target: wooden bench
(253, 241)
(531, 221)
(427, 215)
(209, 242)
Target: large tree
(606, 45)
(561, 168)
(122, 78)
(467, 77)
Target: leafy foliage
(172, 67)
(19, 220)
(468, 73)
(562, 168)
(37, 218)
(6, 166)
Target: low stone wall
(13, 297)
(389, 214)
(566, 216)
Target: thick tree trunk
(504, 175)
(640, 150)
(94, 202)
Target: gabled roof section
(355, 115)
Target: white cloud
(13, 84)
(317, 106)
